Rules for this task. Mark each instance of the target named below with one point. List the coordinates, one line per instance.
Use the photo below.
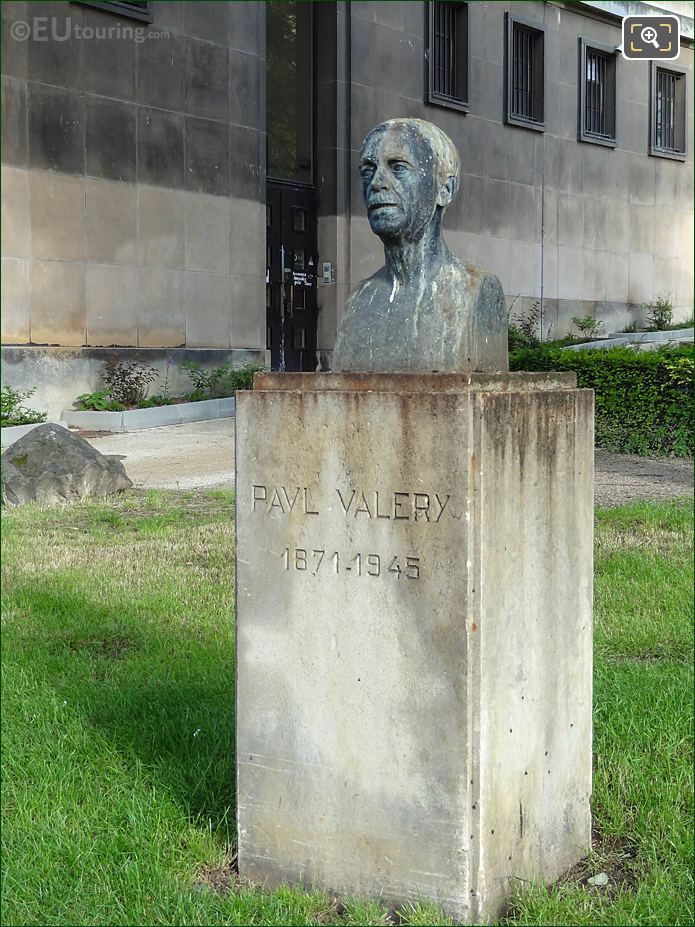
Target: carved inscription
(304, 560)
(400, 505)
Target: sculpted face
(399, 182)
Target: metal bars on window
(665, 127)
(523, 73)
(595, 101)
(445, 49)
(448, 54)
(524, 80)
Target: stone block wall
(588, 229)
(133, 176)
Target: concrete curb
(13, 433)
(135, 419)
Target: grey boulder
(51, 464)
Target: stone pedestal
(414, 630)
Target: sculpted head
(410, 174)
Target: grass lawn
(117, 713)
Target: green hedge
(643, 398)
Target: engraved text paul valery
(398, 505)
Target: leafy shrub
(14, 412)
(588, 325)
(222, 381)
(98, 402)
(522, 326)
(643, 398)
(659, 313)
(128, 380)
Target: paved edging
(13, 433)
(135, 419)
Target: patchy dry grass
(118, 722)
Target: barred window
(525, 73)
(132, 9)
(668, 112)
(597, 101)
(447, 54)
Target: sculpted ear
(447, 192)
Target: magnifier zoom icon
(648, 36)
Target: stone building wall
(133, 176)
(591, 230)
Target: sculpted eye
(399, 167)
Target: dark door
(291, 277)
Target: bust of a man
(424, 310)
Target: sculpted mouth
(373, 206)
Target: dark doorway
(291, 277)
(291, 199)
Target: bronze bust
(424, 310)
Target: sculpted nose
(379, 180)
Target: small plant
(222, 381)
(588, 325)
(98, 402)
(14, 412)
(659, 313)
(631, 327)
(522, 331)
(128, 381)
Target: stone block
(160, 72)
(570, 219)
(162, 309)
(642, 228)
(160, 147)
(15, 212)
(207, 156)
(665, 223)
(56, 129)
(497, 151)
(617, 277)
(57, 302)
(162, 227)
(248, 317)
(594, 283)
(641, 179)
(570, 274)
(108, 65)
(112, 305)
(54, 51)
(111, 222)
(14, 53)
(245, 74)
(640, 278)
(15, 301)
(617, 226)
(595, 223)
(14, 122)
(208, 21)
(247, 27)
(57, 216)
(110, 135)
(207, 79)
(208, 313)
(247, 232)
(207, 233)
(413, 680)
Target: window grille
(448, 54)
(597, 100)
(668, 115)
(525, 73)
(666, 110)
(132, 9)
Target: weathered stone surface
(50, 464)
(425, 309)
(414, 629)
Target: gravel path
(201, 455)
